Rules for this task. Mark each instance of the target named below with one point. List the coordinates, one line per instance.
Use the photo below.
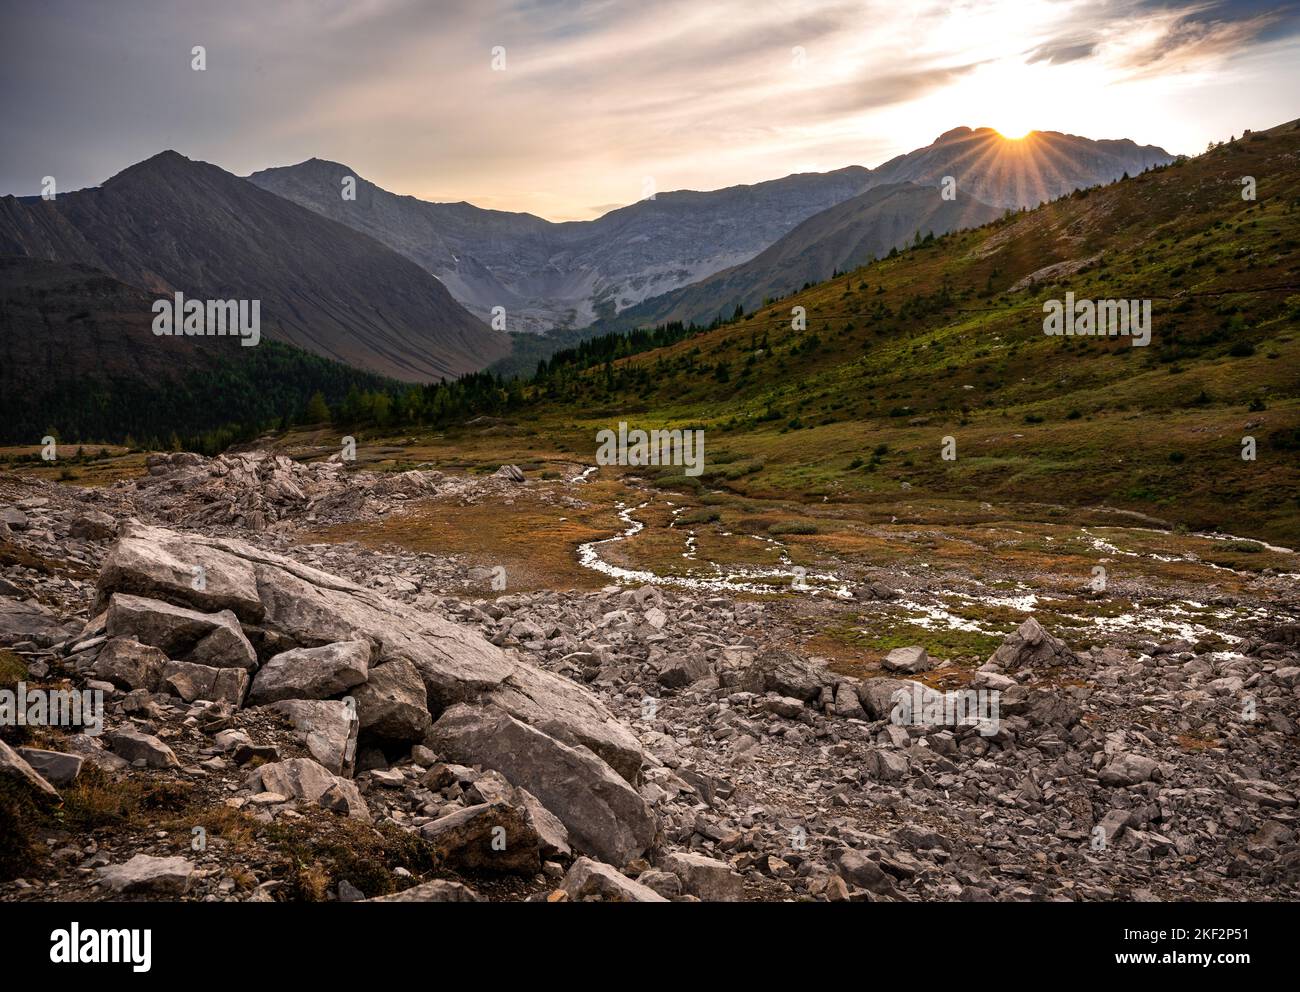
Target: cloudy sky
(597, 98)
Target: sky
(569, 109)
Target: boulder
(16, 766)
(55, 767)
(310, 781)
(1030, 645)
(492, 836)
(1129, 769)
(909, 661)
(877, 695)
(439, 890)
(786, 674)
(679, 670)
(293, 605)
(552, 837)
(847, 704)
(392, 704)
(147, 874)
(511, 473)
(128, 664)
(312, 673)
(191, 682)
(213, 639)
(131, 745)
(587, 879)
(856, 867)
(29, 620)
(94, 525)
(328, 728)
(603, 814)
(707, 878)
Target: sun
(1014, 133)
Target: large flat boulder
(603, 814)
(284, 603)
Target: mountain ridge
(169, 223)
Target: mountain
(569, 275)
(1020, 172)
(78, 356)
(170, 224)
(549, 275)
(838, 239)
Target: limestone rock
(603, 814)
(587, 879)
(16, 766)
(147, 874)
(128, 664)
(1031, 645)
(205, 638)
(392, 704)
(489, 836)
(191, 682)
(133, 746)
(309, 780)
(328, 728)
(709, 879)
(312, 673)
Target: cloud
(595, 96)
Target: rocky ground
(288, 720)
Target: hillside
(946, 340)
(78, 356)
(169, 224)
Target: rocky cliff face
(838, 239)
(556, 275)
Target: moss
(793, 527)
(12, 668)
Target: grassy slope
(1156, 429)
